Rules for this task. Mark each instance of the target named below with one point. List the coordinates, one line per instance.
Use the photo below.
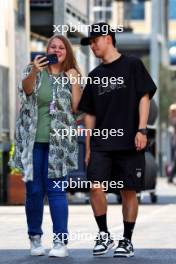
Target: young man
(122, 105)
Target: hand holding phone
(40, 63)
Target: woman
(47, 106)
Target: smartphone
(52, 58)
(34, 54)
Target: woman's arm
(29, 82)
(76, 89)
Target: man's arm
(89, 121)
(144, 107)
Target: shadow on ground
(142, 256)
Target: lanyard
(53, 86)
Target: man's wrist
(143, 130)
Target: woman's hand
(76, 88)
(40, 63)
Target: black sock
(102, 223)
(128, 229)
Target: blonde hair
(70, 60)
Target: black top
(116, 105)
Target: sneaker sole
(104, 252)
(38, 254)
(53, 255)
(123, 256)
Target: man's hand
(87, 157)
(140, 141)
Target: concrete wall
(14, 55)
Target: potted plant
(15, 185)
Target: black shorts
(119, 166)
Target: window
(134, 11)
(98, 2)
(108, 15)
(98, 15)
(172, 9)
(20, 14)
(108, 3)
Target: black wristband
(142, 131)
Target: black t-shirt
(116, 103)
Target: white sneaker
(36, 246)
(124, 249)
(59, 249)
(103, 244)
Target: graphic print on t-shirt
(112, 84)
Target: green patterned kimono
(63, 151)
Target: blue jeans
(35, 194)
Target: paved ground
(154, 238)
